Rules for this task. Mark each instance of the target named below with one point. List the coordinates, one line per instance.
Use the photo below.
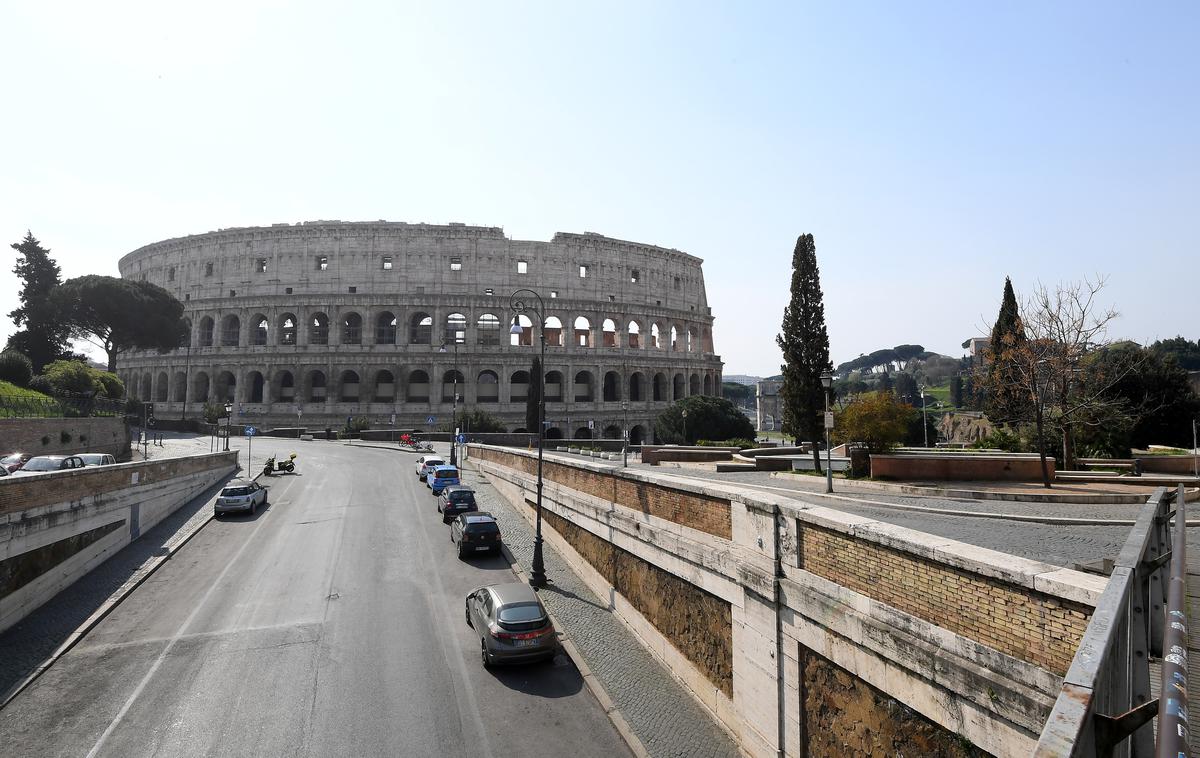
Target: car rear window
(431, 462)
(41, 464)
(462, 497)
(522, 613)
(236, 491)
(485, 527)
(446, 474)
(8, 460)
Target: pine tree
(805, 345)
(1006, 400)
(956, 391)
(43, 337)
(533, 397)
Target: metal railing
(1105, 700)
(17, 406)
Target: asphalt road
(331, 624)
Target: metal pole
(454, 412)
(625, 433)
(828, 450)
(924, 418)
(538, 574)
(1195, 453)
(1172, 701)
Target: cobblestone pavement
(35, 638)
(665, 717)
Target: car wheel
(461, 555)
(467, 613)
(264, 500)
(253, 508)
(484, 656)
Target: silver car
(427, 463)
(240, 495)
(512, 624)
(46, 463)
(98, 459)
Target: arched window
(609, 331)
(487, 387)
(554, 332)
(206, 331)
(187, 342)
(691, 339)
(708, 385)
(583, 387)
(200, 388)
(488, 329)
(146, 390)
(637, 435)
(385, 383)
(287, 386)
(420, 329)
(226, 387)
(612, 387)
(678, 388)
(418, 387)
(351, 329)
(452, 382)
(318, 330)
(287, 329)
(160, 388)
(259, 335)
(636, 389)
(582, 433)
(706, 344)
(633, 334)
(349, 382)
(456, 328)
(694, 384)
(660, 387)
(257, 386)
(179, 387)
(612, 432)
(655, 337)
(316, 384)
(518, 386)
(554, 386)
(525, 338)
(674, 338)
(231, 327)
(583, 332)
(385, 329)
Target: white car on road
(240, 495)
(427, 463)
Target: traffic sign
(829, 420)
(251, 431)
(430, 420)
(460, 439)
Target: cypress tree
(956, 391)
(1005, 401)
(805, 345)
(44, 336)
(534, 396)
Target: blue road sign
(461, 438)
(430, 420)
(251, 431)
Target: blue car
(442, 477)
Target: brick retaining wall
(960, 467)
(65, 436)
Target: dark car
(455, 499)
(475, 532)
(512, 624)
(14, 461)
(48, 463)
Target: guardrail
(17, 406)
(1105, 700)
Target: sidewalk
(663, 715)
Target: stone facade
(67, 436)
(330, 319)
(769, 415)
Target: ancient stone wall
(65, 436)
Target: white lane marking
(179, 634)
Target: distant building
(770, 409)
(978, 347)
(744, 379)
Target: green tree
(906, 390)
(956, 391)
(739, 394)
(906, 353)
(477, 421)
(876, 419)
(1007, 402)
(15, 368)
(1186, 353)
(533, 398)
(109, 384)
(708, 418)
(120, 315)
(43, 337)
(805, 345)
(70, 378)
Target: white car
(240, 495)
(98, 459)
(427, 463)
(47, 463)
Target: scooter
(289, 465)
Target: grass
(11, 390)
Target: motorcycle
(289, 465)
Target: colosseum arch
(160, 388)
(612, 386)
(453, 382)
(348, 387)
(637, 435)
(691, 340)
(418, 387)
(385, 328)
(487, 327)
(694, 384)
(674, 344)
(187, 339)
(384, 387)
(553, 433)
(487, 387)
(456, 329)
(583, 387)
(179, 387)
(608, 330)
(637, 389)
(706, 343)
(679, 387)
(655, 337)
(144, 391)
(583, 332)
(518, 385)
(318, 329)
(633, 334)
(660, 388)
(351, 328)
(205, 337)
(582, 433)
(259, 330)
(554, 387)
(612, 432)
(553, 329)
(420, 328)
(317, 386)
(708, 385)
(231, 331)
(525, 337)
(256, 387)
(287, 329)
(284, 383)
(226, 386)
(200, 387)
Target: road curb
(594, 686)
(107, 607)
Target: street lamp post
(519, 301)
(228, 421)
(454, 413)
(924, 418)
(624, 432)
(827, 383)
(684, 415)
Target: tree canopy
(805, 344)
(1007, 401)
(708, 418)
(876, 419)
(43, 336)
(120, 315)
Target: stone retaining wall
(65, 436)
(1014, 467)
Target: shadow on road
(549, 679)
(35, 638)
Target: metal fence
(1105, 704)
(17, 406)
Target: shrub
(70, 378)
(213, 412)
(64, 436)
(739, 442)
(108, 383)
(15, 368)
(877, 419)
(41, 384)
(477, 421)
(356, 425)
(708, 417)
(1001, 439)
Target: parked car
(427, 462)
(455, 499)
(441, 477)
(240, 495)
(4, 472)
(41, 464)
(475, 532)
(14, 461)
(98, 459)
(512, 624)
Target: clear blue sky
(931, 148)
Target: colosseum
(308, 324)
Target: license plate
(483, 547)
(524, 643)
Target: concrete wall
(57, 436)
(1168, 464)
(657, 453)
(1016, 467)
(951, 644)
(56, 527)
